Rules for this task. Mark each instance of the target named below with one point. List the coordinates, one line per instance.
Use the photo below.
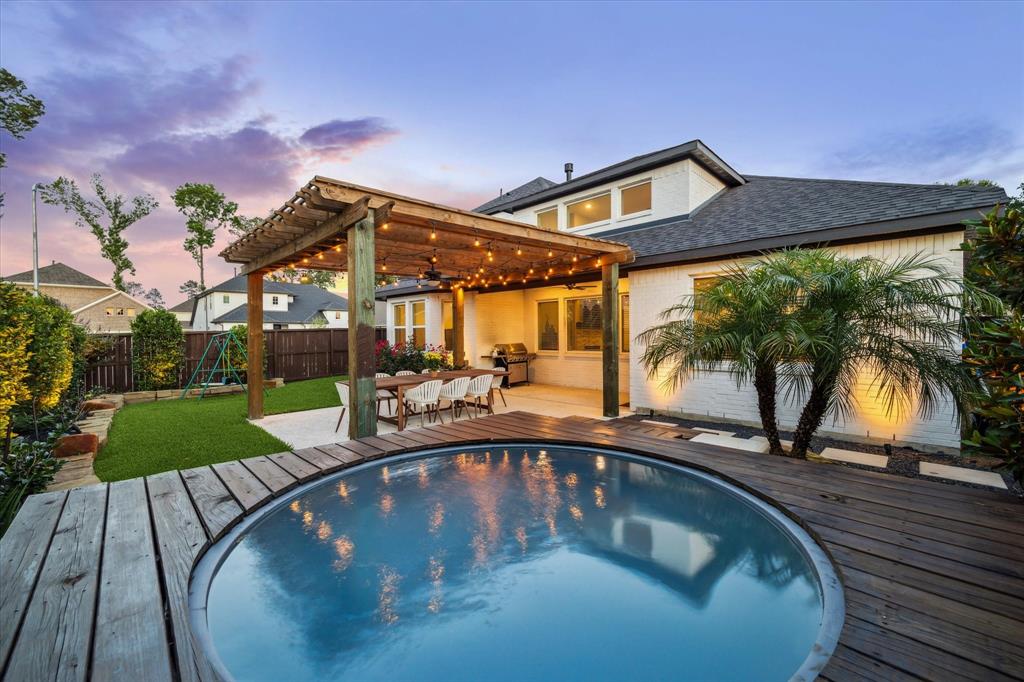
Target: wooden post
(459, 326)
(254, 380)
(610, 337)
(362, 412)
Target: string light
(433, 234)
(305, 260)
(519, 250)
(433, 258)
(531, 269)
(384, 265)
(384, 226)
(550, 253)
(320, 256)
(574, 258)
(337, 248)
(476, 242)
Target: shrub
(51, 358)
(239, 359)
(157, 342)
(995, 345)
(15, 335)
(27, 469)
(405, 356)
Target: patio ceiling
(413, 237)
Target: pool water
(515, 564)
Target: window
(110, 312)
(226, 298)
(547, 325)
(583, 323)
(131, 312)
(273, 300)
(548, 219)
(419, 323)
(448, 324)
(120, 312)
(700, 286)
(636, 198)
(591, 210)
(337, 314)
(624, 323)
(400, 322)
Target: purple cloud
(339, 139)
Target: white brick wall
(716, 395)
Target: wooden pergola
(334, 225)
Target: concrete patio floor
(316, 427)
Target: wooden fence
(292, 354)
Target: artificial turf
(147, 438)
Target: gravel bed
(903, 461)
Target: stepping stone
(715, 431)
(786, 444)
(730, 442)
(989, 478)
(854, 457)
(657, 423)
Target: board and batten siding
(715, 395)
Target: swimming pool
(518, 562)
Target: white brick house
(686, 214)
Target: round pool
(517, 563)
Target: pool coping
(827, 575)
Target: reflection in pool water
(521, 564)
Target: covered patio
(333, 225)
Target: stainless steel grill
(516, 359)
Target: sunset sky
(451, 102)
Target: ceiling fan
(572, 286)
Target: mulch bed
(903, 461)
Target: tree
(995, 343)
(206, 210)
(243, 225)
(107, 218)
(191, 288)
(157, 349)
(969, 182)
(837, 319)
(20, 111)
(739, 323)
(155, 298)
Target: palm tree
(813, 323)
(739, 324)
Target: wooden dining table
(399, 384)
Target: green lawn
(148, 438)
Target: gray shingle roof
(183, 307)
(532, 187)
(58, 273)
(772, 207)
(238, 285)
(308, 302)
(694, 149)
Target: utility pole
(35, 241)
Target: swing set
(222, 369)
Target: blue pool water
(515, 564)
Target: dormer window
(548, 219)
(636, 199)
(274, 300)
(592, 210)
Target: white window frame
(549, 209)
(404, 305)
(225, 298)
(565, 315)
(586, 226)
(642, 212)
(274, 300)
(412, 321)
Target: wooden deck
(95, 580)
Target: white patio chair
(455, 393)
(480, 387)
(403, 373)
(343, 397)
(424, 398)
(384, 394)
(425, 371)
(496, 385)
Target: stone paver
(989, 478)
(854, 457)
(747, 444)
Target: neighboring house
(687, 215)
(97, 306)
(285, 306)
(183, 311)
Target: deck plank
(56, 634)
(180, 539)
(217, 508)
(276, 479)
(299, 468)
(23, 549)
(130, 641)
(320, 459)
(243, 484)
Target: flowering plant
(406, 356)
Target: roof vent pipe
(568, 171)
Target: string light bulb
(433, 233)
(550, 253)
(519, 250)
(384, 226)
(433, 258)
